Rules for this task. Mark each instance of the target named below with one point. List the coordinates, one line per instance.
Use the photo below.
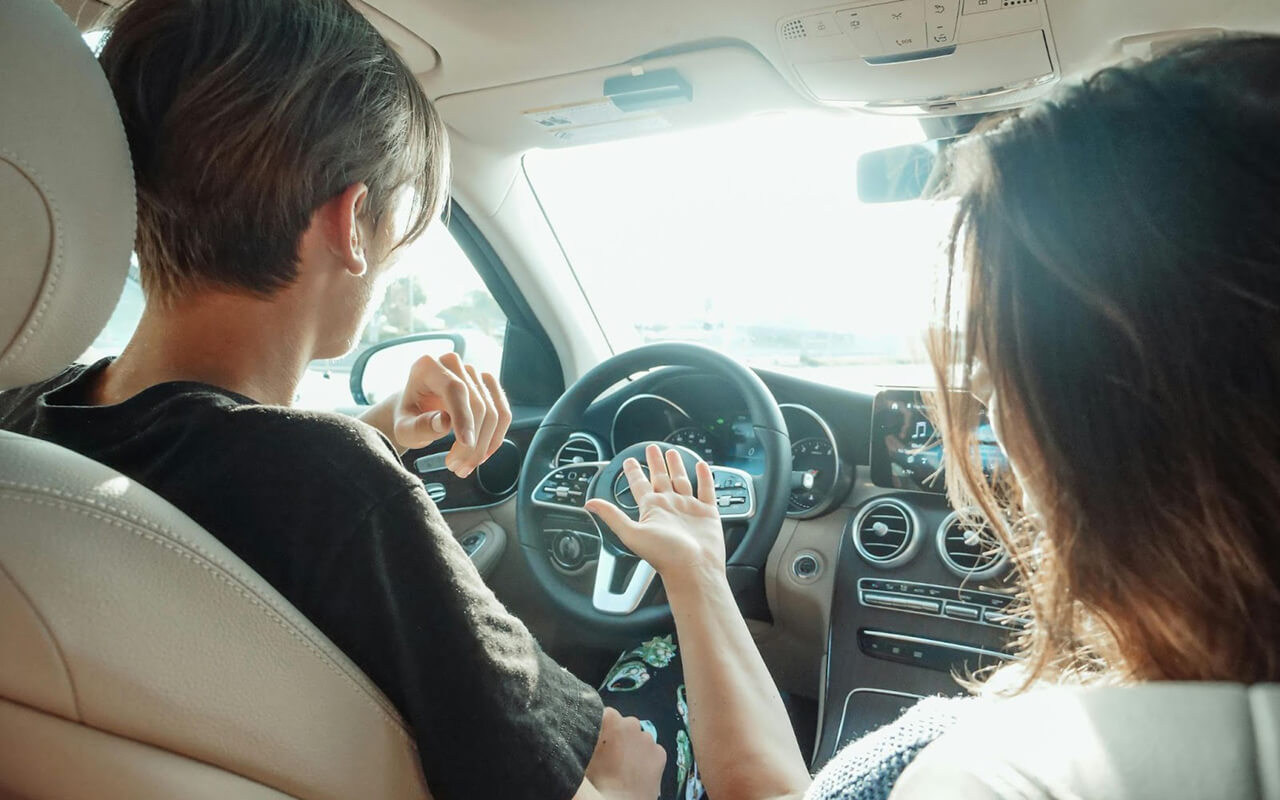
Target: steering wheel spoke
(622, 602)
(735, 493)
(567, 488)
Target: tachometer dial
(813, 473)
(696, 440)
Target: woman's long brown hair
(1115, 270)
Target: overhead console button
(900, 26)
(819, 25)
(858, 25)
(940, 21)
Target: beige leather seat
(1154, 742)
(139, 658)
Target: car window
(434, 287)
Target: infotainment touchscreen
(906, 450)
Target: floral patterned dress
(647, 682)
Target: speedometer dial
(813, 473)
(696, 440)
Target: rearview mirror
(896, 173)
(381, 370)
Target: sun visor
(420, 56)
(922, 56)
(679, 90)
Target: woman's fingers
(657, 469)
(640, 486)
(627, 529)
(706, 483)
(679, 477)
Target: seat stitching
(57, 646)
(149, 535)
(139, 519)
(54, 275)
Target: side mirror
(380, 370)
(896, 173)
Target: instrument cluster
(726, 437)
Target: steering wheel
(549, 506)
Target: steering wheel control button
(735, 495)
(567, 486)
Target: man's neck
(254, 347)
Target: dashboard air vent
(885, 533)
(580, 448)
(969, 550)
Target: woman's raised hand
(679, 532)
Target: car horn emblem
(622, 491)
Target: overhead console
(922, 56)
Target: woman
(1113, 298)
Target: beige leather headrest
(66, 194)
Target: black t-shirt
(321, 507)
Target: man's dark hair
(244, 116)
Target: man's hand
(445, 396)
(679, 533)
(627, 763)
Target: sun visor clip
(646, 90)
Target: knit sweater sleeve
(867, 768)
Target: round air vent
(580, 448)
(969, 550)
(500, 473)
(885, 533)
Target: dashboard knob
(568, 551)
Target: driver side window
(433, 288)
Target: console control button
(1003, 620)
(985, 608)
(902, 602)
(962, 611)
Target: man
(283, 154)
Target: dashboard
(877, 592)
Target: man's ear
(347, 237)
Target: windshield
(749, 237)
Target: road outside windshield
(750, 238)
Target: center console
(921, 594)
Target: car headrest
(66, 194)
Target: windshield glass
(749, 237)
